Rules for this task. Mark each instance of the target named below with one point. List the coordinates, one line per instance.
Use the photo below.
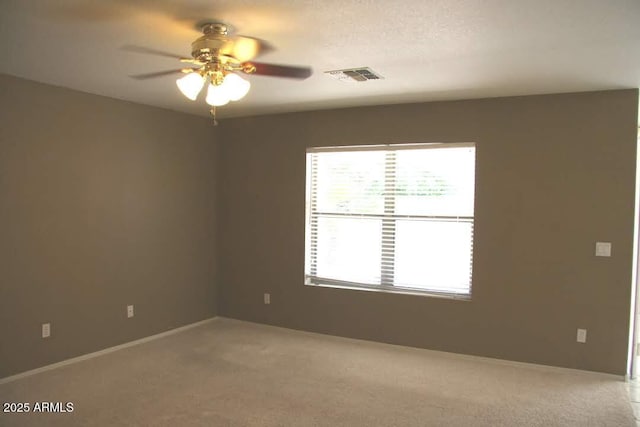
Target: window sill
(392, 290)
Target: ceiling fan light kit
(219, 58)
(230, 87)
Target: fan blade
(149, 51)
(244, 48)
(158, 74)
(275, 70)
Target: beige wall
(555, 174)
(103, 203)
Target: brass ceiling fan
(219, 58)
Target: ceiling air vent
(361, 74)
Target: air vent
(361, 74)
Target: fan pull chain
(213, 114)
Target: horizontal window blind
(391, 217)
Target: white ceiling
(425, 49)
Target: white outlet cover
(46, 330)
(603, 249)
(129, 311)
(582, 336)
(267, 298)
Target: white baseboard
(460, 356)
(491, 360)
(536, 366)
(103, 352)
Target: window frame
(387, 216)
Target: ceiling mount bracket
(217, 28)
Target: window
(396, 218)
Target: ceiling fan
(219, 58)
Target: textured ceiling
(425, 49)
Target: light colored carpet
(232, 373)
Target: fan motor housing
(205, 45)
(214, 38)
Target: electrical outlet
(129, 311)
(267, 298)
(46, 330)
(582, 336)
